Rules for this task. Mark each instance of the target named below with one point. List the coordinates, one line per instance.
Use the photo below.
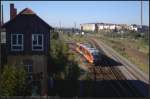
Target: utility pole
(0, 46)
(141, 14)
(60, 25)
(2, 16)
(2, 20)
(74, 26)
(1, 23)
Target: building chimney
(13, 11)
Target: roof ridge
(27, 11)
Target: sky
(69, 13)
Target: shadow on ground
(107, 61)
(97, 89)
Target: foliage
(64, 65)
(88, 76)
(72, 70)
(58, 53)
(54, 35)
(138, 43)
(13, 81)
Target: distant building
(145, 28)
(102, 26)
(134, 27)
(28, 44)
(88, 27)
(139, 28)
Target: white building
(112, 26)
(134, 27)
(88, 27)
(102, 26)
(139, 28)
(106, 26)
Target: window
(3, 37)
(29, 68)
(17, 42)
(28, 65)
(37, 42)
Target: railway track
(113, 77)
(108, 74)
(109, 68)
(119, 76)
(133, 70)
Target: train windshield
(88, 45)
(95, 54)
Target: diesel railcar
(91, 54)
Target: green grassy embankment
(135, 50)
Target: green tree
(54, 35)
(88, 76)
(64, 63)
(72, 70)
(13, 81)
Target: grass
(72, 37)
(117, 44)
(78, 38)
(119, 50)
(141, 65)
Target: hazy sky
(70, 12)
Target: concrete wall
(39, 65)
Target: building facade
(139, 28)
(134, 27)
(103, 26)
(28, 44)
(88, 27)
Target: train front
(96, 57)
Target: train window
(95, 53)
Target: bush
(64, 64)
(13, 81)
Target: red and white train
(91, 54)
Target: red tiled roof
(27, 11)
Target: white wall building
(103, 26)
(88, 27)
(100, 26)
(106, 26)
(112, 27)
(134, 27)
